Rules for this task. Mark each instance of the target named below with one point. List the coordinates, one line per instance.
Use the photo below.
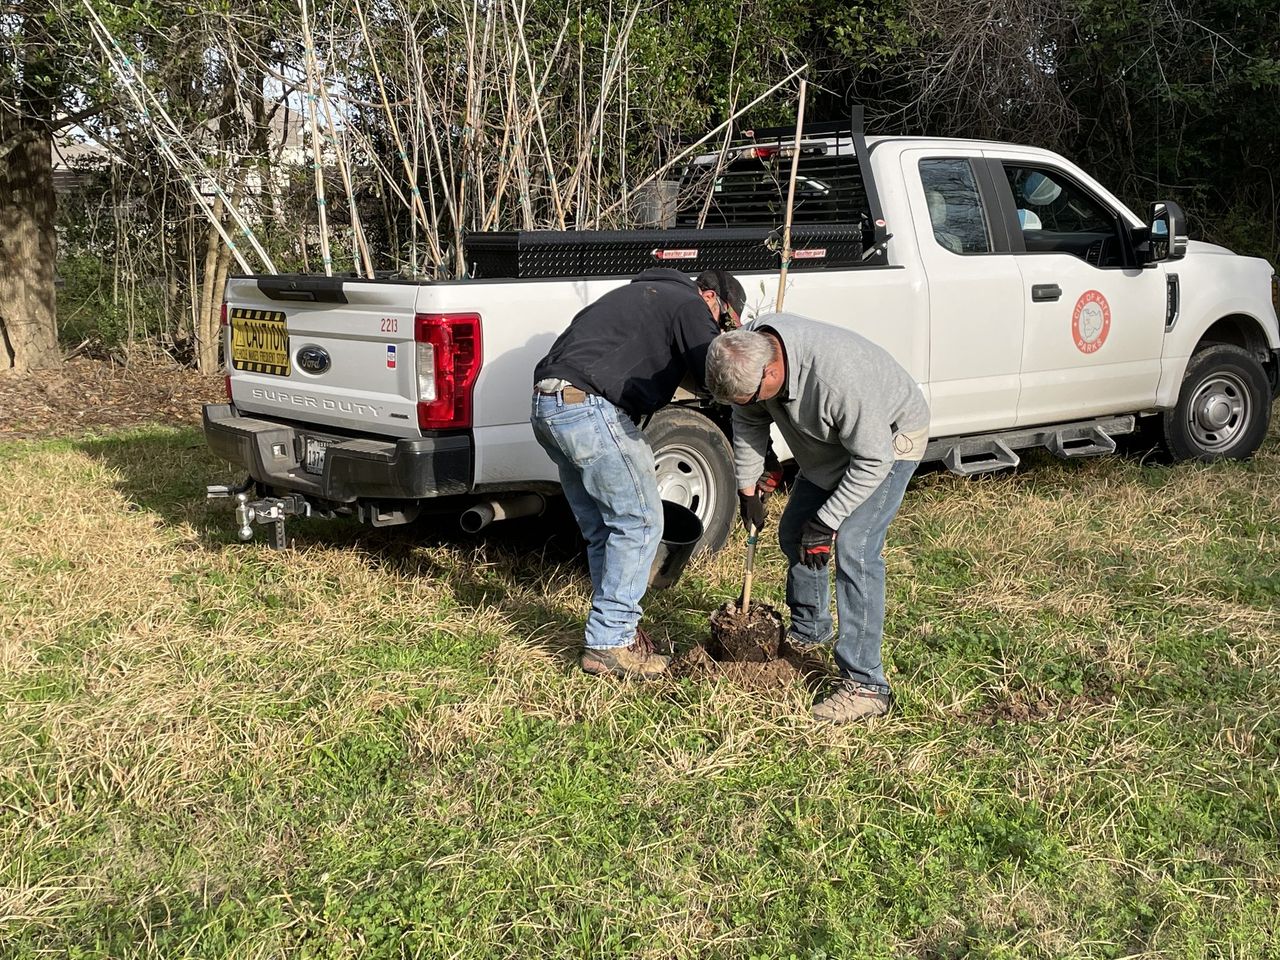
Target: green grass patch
(378, 744)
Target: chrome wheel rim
(1218, 412)
(685, 477)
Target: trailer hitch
(272, 510)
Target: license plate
(259, 341)
(314, 452)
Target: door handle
(1045, 292)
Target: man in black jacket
(622, 359)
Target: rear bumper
(354, 469)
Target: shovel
(736, 635)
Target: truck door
(1094, 313)
(975, 291)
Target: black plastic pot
(681, 531)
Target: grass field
(378, 744)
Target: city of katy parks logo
(1091, 321)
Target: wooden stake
(791, 200)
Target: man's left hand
(769, 483)
(815, 543)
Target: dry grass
(377, 744)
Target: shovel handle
(751, 563)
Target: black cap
(725, 286)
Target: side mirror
(1168, 237)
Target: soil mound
(749, 651)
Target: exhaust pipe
(474, 519)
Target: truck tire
(695, 470)
(1223, 409)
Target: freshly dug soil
(790, 667)
(752, 637)
(749, 652)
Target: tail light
(225, 330)
(448, 361)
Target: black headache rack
(741, 206)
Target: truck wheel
(695, 470)
(1223, 409)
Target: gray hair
(736, 362)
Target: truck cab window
(955, 208)
(1057, 216)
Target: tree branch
(71, 119)
(31, 133)
(17, 140)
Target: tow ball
(272, 510)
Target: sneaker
(638, 661)
(851, 701)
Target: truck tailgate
(323, 351)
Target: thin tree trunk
(219, 285)
(193, 290)
(210, 299)
(217, 264)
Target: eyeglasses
(760, 386)
(728, 318)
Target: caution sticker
(260, 341)
(1091, 321)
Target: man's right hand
(751, 509)
(815, 543)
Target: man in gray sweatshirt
(857, 425)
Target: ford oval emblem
(313, 359)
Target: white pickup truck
(1032, 306)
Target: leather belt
(567, 394)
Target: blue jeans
(609, 478)
(859, 575)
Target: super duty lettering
(286, 398)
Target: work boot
(851, 701)
(638, 661)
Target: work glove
(751, 509)
(768, 483)
(815, 543)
